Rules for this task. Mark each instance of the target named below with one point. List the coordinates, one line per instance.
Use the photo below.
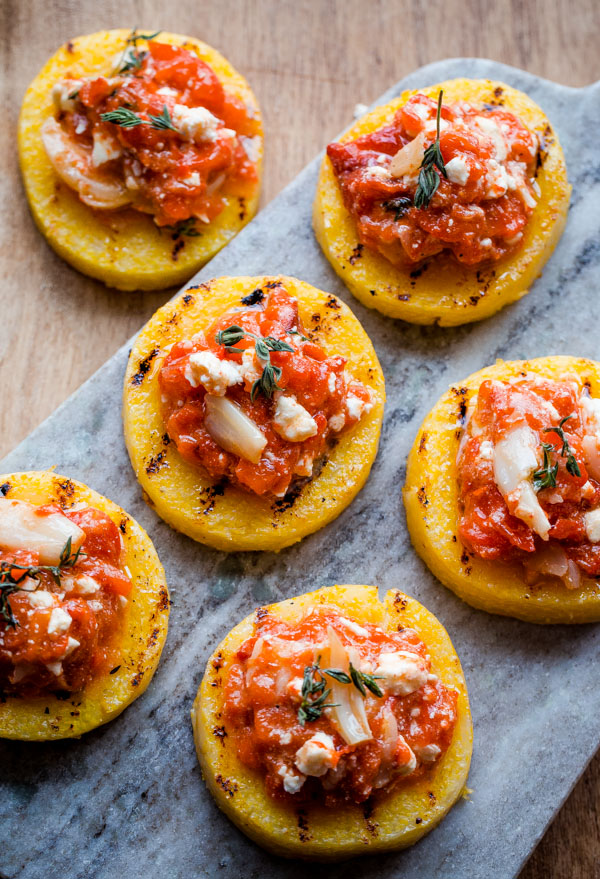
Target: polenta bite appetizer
(252, 411)
(83, 608)
(503, 490)
(443, 205)
(141, 155)
(333, 724)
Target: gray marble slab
(127, 800)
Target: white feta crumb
(55, 668)
(292, 421)
(457, 170)
(72, 644)
(195, 123)
(331, 382)
(106, 148)
(337, 421)
(41, 598)
(316, 756)
(215, 375)
(591, 521)
(251, 146)
(402, 672)
(486, 450)
(292, 781)
(428, 753)
(60, 621)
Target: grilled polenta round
(123, 248)
(441, 289)
(394, 820)
(431, 498)
(139, 641)
(223, 515)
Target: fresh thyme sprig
(126, 118)
(10, 583)
(164, 121)
(314, 693)
(566, 450)
(545, 477)
(122, 116)
(267, 384)
(132, 58)
(429, 180)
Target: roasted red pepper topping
(485, 196)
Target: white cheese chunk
(40, 598)
(60, 95)
(60, 621)
(486, 451)
(591, 521)
(55, 668)
(292, 421)
(195, 123)
(401, 672)
(354, 627)
(316, 756)
(337, 421)
(83, 585)
(292, 781)
(215, 375)
(428, 753)
(457, 170)
(515, 459)
(356, 406)
(72, 644)
(489, 127)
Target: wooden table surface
(309, 63)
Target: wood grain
(309, 64)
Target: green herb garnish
(364, 682)
(164, 121)
(134, 36)
(11, 583)
(545, 477)
(122, 116)
(267, 383)
(314, 693)
(398, 206)
(429, 180)
(132, 58)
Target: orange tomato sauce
(171, 178)
(28, 649)
(478, 215)
(487, 527)
(317, 382)
(263, 695)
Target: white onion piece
(232, 429)
(349, 716)
(573, 576)
(552, 561)
(23, 527)
(408, 159)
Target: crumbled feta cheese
(192, 179)
(377, 172)
(356, 406)
(59, 622)
(316, 756)
(337, 421)
(215, 375)
(55, 668)
(457, 170)
(167, 92)
(428, 753)
(401, 672)
(106, 148)
(40, 598)
(490, 128)
(292, 781)
(195, 123)
(72, 644)
(331, 382)
(486, 242)
(250, 369)
(496, 179)
(591, 521)
(486, 450)
(292, 421)
(83, 584)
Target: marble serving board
(128, 800)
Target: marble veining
(127, 800)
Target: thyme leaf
(364, 682)
(10, 582)
(545, 477)
(122, 116)
(429, 179)
(134, 36)
(566, 450)
(267, 383)
(398, 206)
(314, 694)
(164, 121)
